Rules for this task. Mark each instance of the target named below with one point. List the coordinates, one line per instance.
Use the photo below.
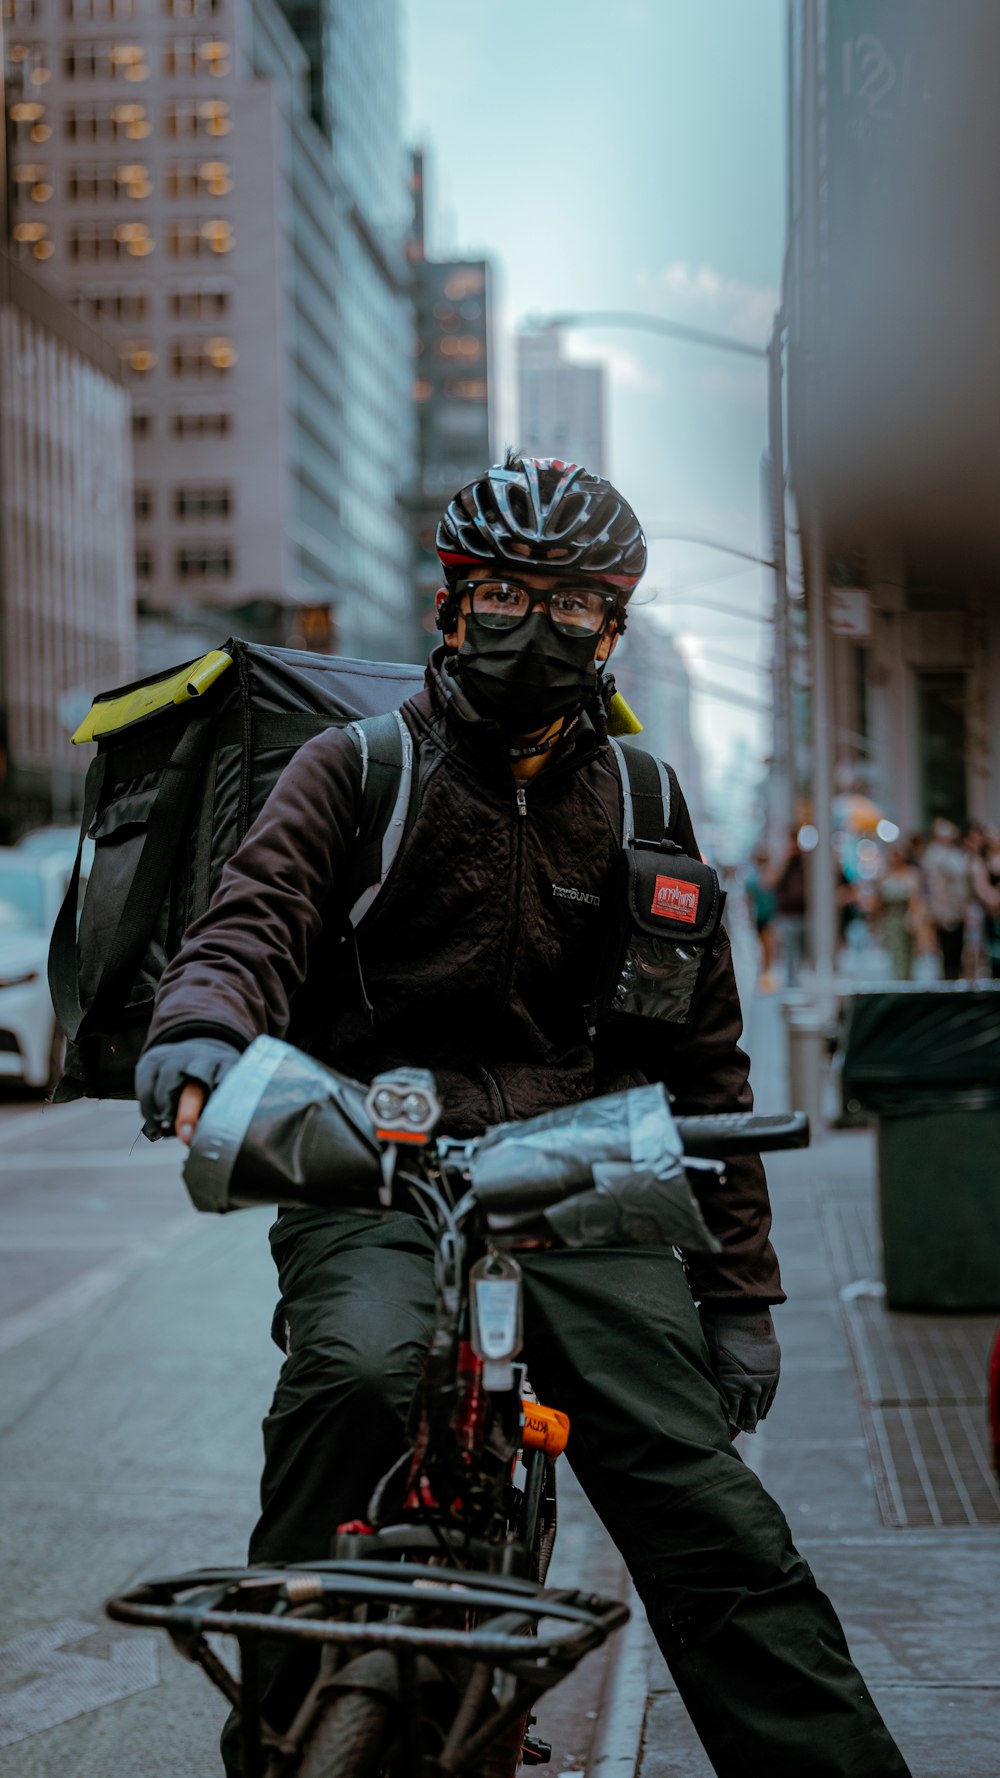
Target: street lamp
(672, 330)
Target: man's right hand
(173, 1081)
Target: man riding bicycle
(478, 961)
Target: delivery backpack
(185, 762)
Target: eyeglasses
(571, 610)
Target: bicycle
(437, 1633)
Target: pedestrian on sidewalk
(948, 892)
(984, 877)
(762, 903)
(900, 911)
(477, 963)
(790, 903)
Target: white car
(31, 892)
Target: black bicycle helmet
(552, 516)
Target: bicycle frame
(442, 1586)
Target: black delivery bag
(185, 762)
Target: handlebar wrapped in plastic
(607, 1172)
(283, 1129)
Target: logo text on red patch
(674, 899)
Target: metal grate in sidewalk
(922, 1380)
(930, 1464)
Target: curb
(617, 1746)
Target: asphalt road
(135, 1366)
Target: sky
(631, 156)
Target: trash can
(925, 1060)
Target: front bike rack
(423, 1618)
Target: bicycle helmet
(543, 514)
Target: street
(135, 1367)
(136, 1363)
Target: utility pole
(823, 915)
(774, 496)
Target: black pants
(613, 1338)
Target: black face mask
(527, 677)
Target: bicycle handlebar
(712, 1137)
(514, 1177)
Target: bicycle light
(496, 1331)
(403, 1105)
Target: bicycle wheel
(352, 1738)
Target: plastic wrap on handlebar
(741, 1132)
(608, 1173)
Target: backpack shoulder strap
(647, 805)
(385, 746)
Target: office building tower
(560, 401)
(67, 620)
(173, 183)
(451, 391)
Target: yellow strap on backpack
(622, 719)
(119, 711)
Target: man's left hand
(746, 1358)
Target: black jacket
(478, 958)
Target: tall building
(893, 354)
(225, 196)
(651, 673)
(451, 391)
(67, 620)
(560, 402)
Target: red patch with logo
(673, 899)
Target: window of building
(465, 388)
(104, 183)
(100, 11)
(196, 240)
(187, 118)
(142, 423)
(105, 123)
(200, 302)
(91, 185)
(206, 561)
(191, 9)
(29, 67)
(197, 55)
(100, 59)
(33, 238)
(465, 281)
(217, 424)
(203, 503)
(143, 503)
(942, 745)
(31, 181)
(103, 306)
(27, 117)
(102, 240)
(145, 563)
(462, 345)
(21, 12)
(137, 356)
(197, 179)
(201, 358)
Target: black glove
(162, 1072)
(746, 1359)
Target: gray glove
(746, 1359)
(163, 1071)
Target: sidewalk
(876, 1449)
